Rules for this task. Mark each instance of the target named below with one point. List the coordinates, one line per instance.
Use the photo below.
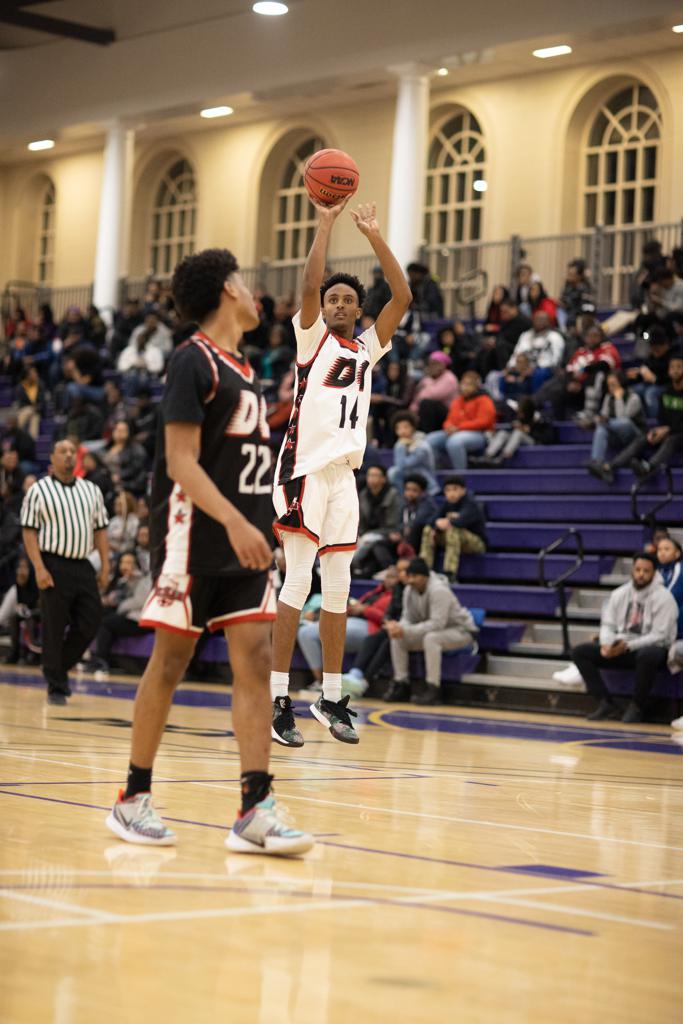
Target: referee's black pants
(71, 612)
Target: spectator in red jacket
(540, 300)
(580, 386)
(469, 417)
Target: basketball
(330, 175)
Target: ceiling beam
(12, 14)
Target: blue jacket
(672, 576)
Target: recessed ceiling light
(41, 144)
(270, 8)
(677, 28)
(552, 51)
(216, 112)
(442, 72)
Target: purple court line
(278, 779)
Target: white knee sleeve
(300, 555)
(335, 574)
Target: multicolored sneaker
(283, 728)
(136, 821)
(337, 718)
(263, 830)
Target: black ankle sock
(255, 787)
(139, 781)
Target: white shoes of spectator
(677, 723)
(568, 676)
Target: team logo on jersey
(166, 591)
(344, 372)
(249, 416)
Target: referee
(63, 519)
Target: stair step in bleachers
(597, 538)
(518, 567)
(576, 508)
(500, 598)
(563, 481)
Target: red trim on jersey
(244, 369)
(198, 342)
(338, 547)
(315, 354)
(278, 529)
(152, 624)
(353, 345)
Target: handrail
(648, 518)
(544, 552)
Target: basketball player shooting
(315, 495)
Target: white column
(406, 191)
(110, 232)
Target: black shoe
(605, 709)
(429, 694)
(632, 713)
(283, 727)
(604, 473)
(57, 697)
(640, 468)
(398, 693)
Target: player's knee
(297, 586)
(335, 578)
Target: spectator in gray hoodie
(621, 420)
(637, 627)
(432, 621)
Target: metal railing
(559, 582)
(30, 297)
(649, 518)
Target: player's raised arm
(315, 264)
(365, 219)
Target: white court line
(559, 908)
(41, 901)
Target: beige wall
(534, 127)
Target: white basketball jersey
(332, 400)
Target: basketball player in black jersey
(211, 514)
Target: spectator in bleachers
(143, 420)
(576, 295)
(433, 621)
(140, 358)
(126, 460)
(123, 604)
(653, 260)
(14, 436)
(412, 452)
(84, 379)
(372, 663)
(457, 342)
(543, 345)
(434, 392)
(469, 417)
(152, 331)
(621, 421)
(125, 322)
(529, 427)
(540, 301)
(669, 554)
(377, 295)
(524, 278)
(73, 324)
(651, 378)
(278, 356)
(11, 478)
(667, 437)
(516, 381)
(123, 525)
(397, 391)
(580, 386)
(10, 536)
(637, 626)
(30, 398)
(427, 297)
(458, 528)
(418, 508)
(283, 311)
(97, 473)
(496, 349)
(19, 614)
(379, 518)
(492, 320)
(142, 551)
(96, 329)
(115, 407)
(666, 293)
(83, 419)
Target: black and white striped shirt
(65, 515)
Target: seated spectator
(125, 322)
(73, 323)
(379, 517)
(140, 358)
(524, 278)
(541, 302)
(142, 551)
(529, 427)
(279, 409)
(123, 525)
(397, 392)
(152, 331)
(542, 345)
(143, 420)
(364, 618)
(470, 415)
(576, 295)
(84, 420)
(457, 342)
(116, 407)
(20, 615)
(653, 260)
(97, 473)
(96, 329)
(418, 508)
(492, 320)
(459, 527)
(665, 294)
(666, 438)
(427, 297)
(10, 537)
(377, 295)
(14, 436)
(126, 460)
(517, 381)
(579, 388)
(29, 398)
(434, 392)
(412, 452)
(279, 354)
(372, 663)
(621, 421)
(669, 553)
(651, 378)
(123, 607)
(433, 621)
(496, 349)
(11, 479)
(637, 627)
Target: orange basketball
(330, 175)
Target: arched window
(294, 217)
(621, 160)
(173, 218)
(456, 161)
(46, 236)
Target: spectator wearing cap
(427, 297)
(435, 392)
(651, 378)
(470, 416)
(412, 452)
(378, 294)
(459, 527)
(432, 621)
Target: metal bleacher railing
(466, 270)
(559, 582)
(649, 516)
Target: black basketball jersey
(219, 391)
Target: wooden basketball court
(471, 867)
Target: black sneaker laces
(286, 716)
(340, 709)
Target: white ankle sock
(279, 684)
(332, 682)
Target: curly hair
(348, 279)
(198, 282)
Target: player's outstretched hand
(249, 545)
(329, 213)
(365, 218)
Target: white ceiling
(174, 56)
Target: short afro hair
(198, 282)
(347, 279)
